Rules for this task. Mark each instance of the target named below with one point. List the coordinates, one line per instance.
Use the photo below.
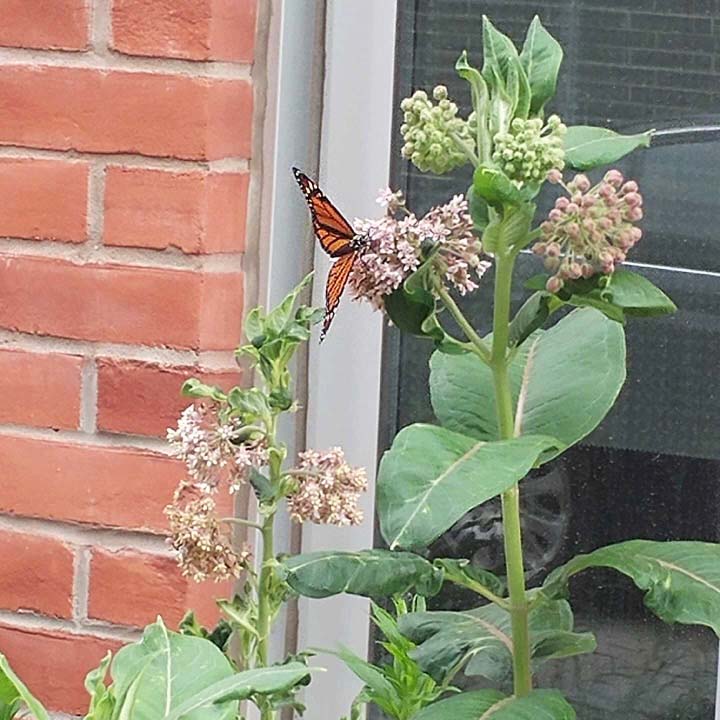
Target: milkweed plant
(505, 403)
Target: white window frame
(343, 376)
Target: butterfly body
(337, 238)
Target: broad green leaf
(499, 54)
(636, 295)
(196, 388)
(588, 147)
(463, 572)
(479, 210)
(681, 579)
(278, 318)
(154, 677)
(371, 573)
(564, 381)
(495, 187)
(431, 477)
(240, 686)
(529, 318)
(624, 293)
(480, 102)
(493, 705)
(14, 693)
(368, 673)
(480, 640)
(408, 311)
(541, 58)
(102, 698)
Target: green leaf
(102, 698)
(369, 674)
(14, 692)
(618, 295)
(480, 102)
(278, 318)
(371, 573)
(541, 58)
(431, 477)
(529, 318)
(563, 380)
(239, 686)
(587, 147)
(681, 579)
(493, 705)
(479, 210)
(254, 326)
(636, 295)
(481, 639)
(499, 55)
(461, 571)
(196, 388)
(495, 187)
(156, 676)
(408, 311)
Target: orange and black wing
(337, 279)
(332, 230)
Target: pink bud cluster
(394, 248)
(328, 489)
(209, 448)
(592, 229)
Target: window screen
(652, 470)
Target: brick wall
(125, 138)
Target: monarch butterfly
(337, 239)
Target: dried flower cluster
(529, 150)
(328, 489)
(592, 230)
(210, 448)
(433, 133)
(204, 549)
(395, 248)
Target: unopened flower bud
(554, 176)
(554, 284)
(614, 177)
(582, 183)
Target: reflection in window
(652, 470)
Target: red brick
(124, 112)
(151, 585)
(43, 199)
(37, 574)
(42, 390)
(116, 303)
(108, 486)
(44, 24)
(191, 29)
(144, 398)
(54, 664)
(198, 212)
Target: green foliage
(538, 705)
(622, 294)
(399, 688)
(15, 695)
(431, 477)
(371, 573)
(541, 58)
(588, 147)
(563, 381)
(681, 579)
(480, 640)
(275, 337)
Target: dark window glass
(652, 470)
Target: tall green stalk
(522, 672)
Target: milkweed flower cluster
(592, 230)
(529, 150)
(212, 449)
(328, 489)
(203, 548)
(433, 134)
(396, 246)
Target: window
(633, 64)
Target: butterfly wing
(332, 230)
(337, 279)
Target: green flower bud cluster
(530, 150)
(433, 132)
